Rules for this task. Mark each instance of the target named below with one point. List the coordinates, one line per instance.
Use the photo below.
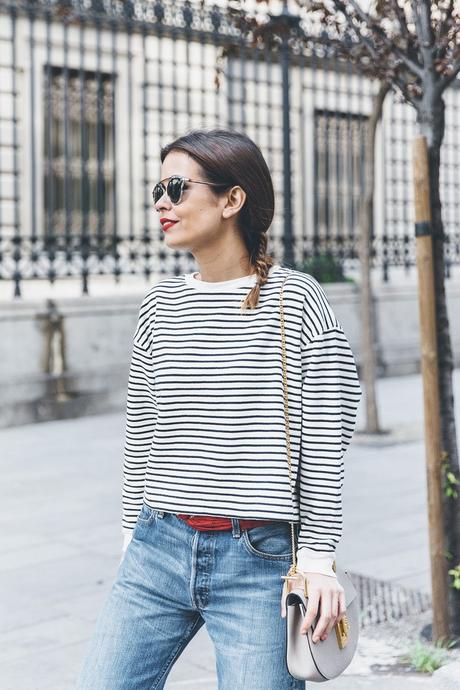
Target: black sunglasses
(176, 186)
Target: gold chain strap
(292, 573)
(293, 569)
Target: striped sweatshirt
(205, 424)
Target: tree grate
(381, 601)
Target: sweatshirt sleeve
(141, 414)
(330, 397)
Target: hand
(123, 553)
(127, 538)
(324, 593)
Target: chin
(175, 242)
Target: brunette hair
(229, 157)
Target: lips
(166, 224)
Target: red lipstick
(167, 223)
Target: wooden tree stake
(429, 366)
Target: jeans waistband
(237, 526)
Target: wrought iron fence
(91, 89)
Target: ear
(235, 199)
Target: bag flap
(346, 582)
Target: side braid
(262, 265)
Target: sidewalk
(60, 521)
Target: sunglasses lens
(175, 186)
(158, 192)
(173, 189)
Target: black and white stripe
(205, 430)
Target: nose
(163, 202)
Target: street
(60, 520)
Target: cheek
(199, 218)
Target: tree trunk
(431, 121)
(366, 222)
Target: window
(79, 161)
(339, 164)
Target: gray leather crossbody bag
(305, 659)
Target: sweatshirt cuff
(127, 536)
(315, 561)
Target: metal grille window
(75, 179)
(79, 167)
(338, 170)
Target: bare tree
(414, 46)
(365, 225)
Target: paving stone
(60, 518)
(448, 677)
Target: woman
(207, 503)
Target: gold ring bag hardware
(326, 659)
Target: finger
(334, 613)
(311, 612)
(342, 606)
(325, 610)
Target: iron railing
(91, 89)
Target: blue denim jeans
(172, 580)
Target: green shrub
(426, 657)
(325, 268)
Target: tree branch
(374, 28)
(416, 18)
(443, 82)
(403, 88)
(410, 64)
(379, 98)
(355, 29)
(364, 40)
(425, 20)
(442, 26)
(401, 15)
(421, 10)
